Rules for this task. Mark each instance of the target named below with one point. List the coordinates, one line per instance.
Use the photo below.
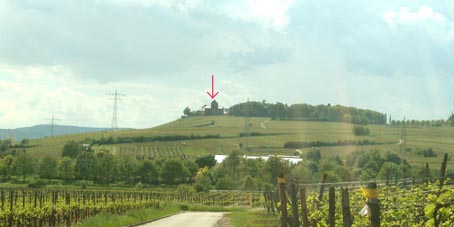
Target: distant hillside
(336, 113)
(41, 131)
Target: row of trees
(423, 123)
(335, 113)
(235, 172)
(238, 172)
(82, 164)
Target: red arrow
(212, 94)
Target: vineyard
(41, 207)
(402, 203)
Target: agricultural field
(271, 135)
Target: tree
(275, 166)
(85, 166)
(24, 142)
(24, 165)
(148, 172)
(105, 168)
(7, 166)
(314, 155)
(203, 182)
(187, 111)
(278, 111)
(248, 183)
(66, 168)
(5, 145)
(206, 161)
(173, 171)
(231, 165)
(388, 169)
(71, 149)
(360, 130)
(394, 158)
(451, 120)
(128, 167)
(47, 167)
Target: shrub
(360, 130)
(428, 153)
(37, 184)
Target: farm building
(214, 110)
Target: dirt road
(188, 219)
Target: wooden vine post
(331, 207)
(295, 219)
(371, 193)
(304, 211)
(284, 215)
(443, 170)
(346, 215)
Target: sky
(62, 58)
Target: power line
(53, 121)
(116, 97)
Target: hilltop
(41, 131)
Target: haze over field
(61, 57)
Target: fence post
(68, 204)
(11, 198)
(331, 207)
(443, 170)
(322, 187)
(346, 215)
(295, 221)
(374, 204)
(284, 218)
(304, 212)
(426, 174)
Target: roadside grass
(141, 215)
(212, 208)
(253, 218)
(129, 218)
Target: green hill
(267, 136)
(41, 131)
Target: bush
(428, 153)
(361, 130)
(37, 184)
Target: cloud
(404, 15)
(271, 14)
(62, 57)
(114, 40)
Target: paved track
(188, 219)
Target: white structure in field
(291, 159)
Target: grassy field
(253, 218)
(274, 134)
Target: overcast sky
(61, 58)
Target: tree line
(336, 113)
(81, 164)
(78, 165)
(423, 123)
(144, 139)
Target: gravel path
(188, 219)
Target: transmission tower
(246, 126)
(53, 121)
(116, 97)
(403, 137)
